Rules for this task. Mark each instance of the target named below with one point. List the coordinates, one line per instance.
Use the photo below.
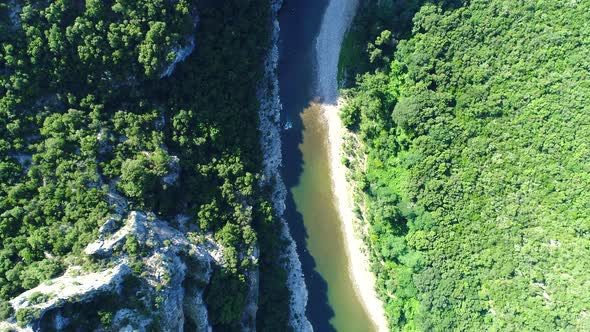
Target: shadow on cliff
(300, 23)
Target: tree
(154, 51)
(137, 179)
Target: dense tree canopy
(474, 167)
(88, 111)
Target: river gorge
(341, 296)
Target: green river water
(315, 200)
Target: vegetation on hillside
(87, 109)
(474, 166)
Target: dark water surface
(311, 210)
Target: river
(311, 34)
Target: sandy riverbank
(364, 280)
(337, 19)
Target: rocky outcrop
(248, 321)
(168, 259)
(131, 320)
(181, 54)
(14, 14)
(174, 173)
(104, 247)
(73, 286)
(196, 310)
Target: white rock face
(165, 267)
(181, 54)
(115, 200)
(71, 288)
(131, 320)
(170, 272)
(135, 225)
(7, 326)
(196, 309)
(109, 226)
(248, 320)
(270, 127)
(102, 137)
(174, 173)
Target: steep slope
(110, 110)
(474, 167)
(279, 242)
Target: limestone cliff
(168, 275)
(139, 272)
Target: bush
(6, 310)
(26, 315)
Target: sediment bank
(337, 19)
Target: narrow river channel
(312, 206)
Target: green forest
(93, 102)
(471, 159)
(467, 146)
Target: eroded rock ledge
(165, 269)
